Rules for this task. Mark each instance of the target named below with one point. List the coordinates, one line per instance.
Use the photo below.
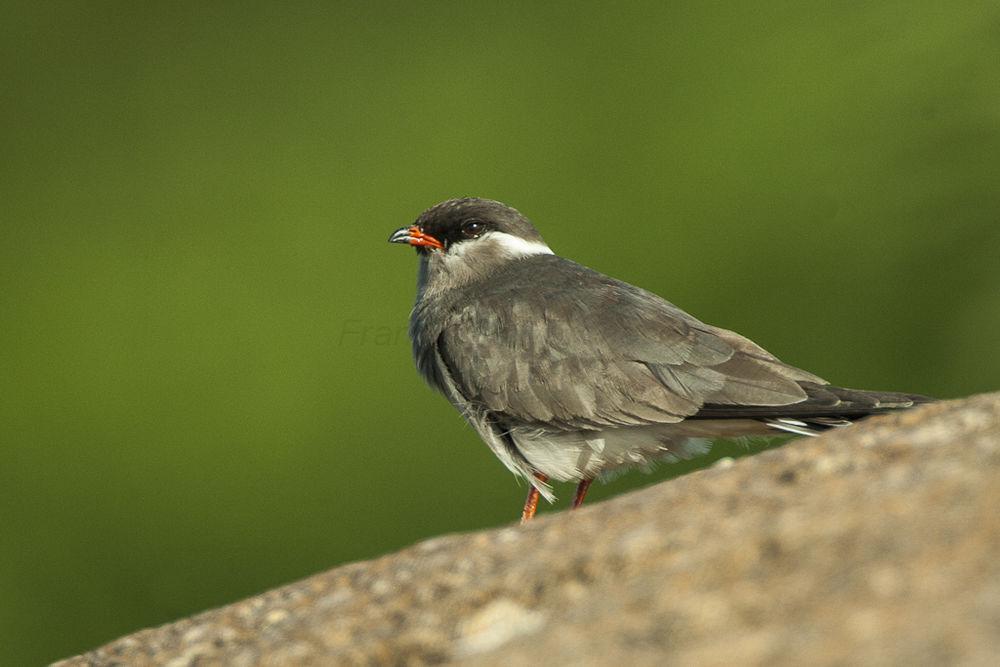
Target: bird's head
(470, 236)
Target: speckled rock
(877, 544)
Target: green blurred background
(205, 383)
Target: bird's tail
(825, 407)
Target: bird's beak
(415, 237)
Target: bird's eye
(472, 229)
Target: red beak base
(415, 236)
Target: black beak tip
(401, 235)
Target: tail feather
(831, 407)
(825, 407)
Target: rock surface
(878, 543)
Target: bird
(569, 375)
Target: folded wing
(562, 345)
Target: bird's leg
(531, 502)
(581, 492)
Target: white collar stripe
(519, 247)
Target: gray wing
(550, 341)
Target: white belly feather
(569, 456)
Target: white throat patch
(515, 246)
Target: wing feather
(558, 344)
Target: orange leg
(581, 492)
(531, 502)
